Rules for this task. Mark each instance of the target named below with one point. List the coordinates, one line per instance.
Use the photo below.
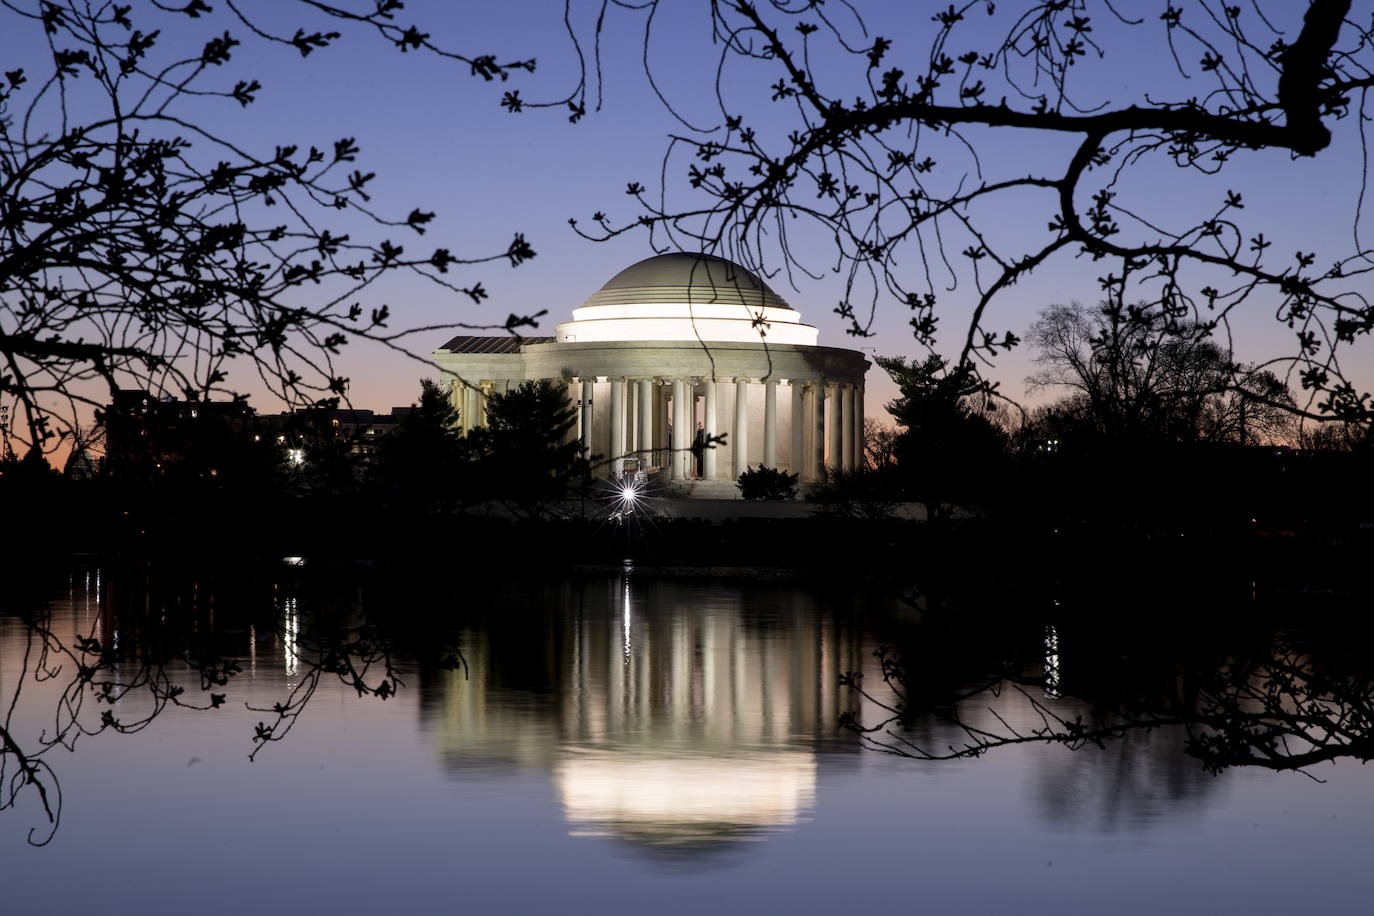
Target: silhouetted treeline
(214, 476)
(515, 493)
(1161, 432)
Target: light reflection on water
(291, 631)
(682, 727)
(610, 727)
(1051, 661)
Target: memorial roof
(504, 343)
(686, 278)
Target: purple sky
(439, 140)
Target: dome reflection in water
(668, 725)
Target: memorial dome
(684, 297)
(696, 278)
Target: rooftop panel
(502, 344)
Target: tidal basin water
(620, 745)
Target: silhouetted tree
(526, 454)
(424, 464)
(948, 450)
(523, 456)
(890, 163)
(1336, 436)
(880, 443)
(142, 247)
(1137, 375)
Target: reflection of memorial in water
(676, 716)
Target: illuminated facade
(675, 344)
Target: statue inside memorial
(699, 453)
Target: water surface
(623, 745)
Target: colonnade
(654, 421)
(469, 399)
(812, 425)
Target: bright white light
(296, 456)
(680, 321)
(680, 798)
(628, 493)
(293, 561)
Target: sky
(440, 140)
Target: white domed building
(677, 343)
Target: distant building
(153, 433)
(362, 428)
(675, 343)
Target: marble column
(631, 416)
(661, 392)
(617, 426)
(711, 423)
(471, 408)
(571, 434)
(770, 423)
(794, 457)
(484, 392)
(679, 444)
(460, 404)
(832, 425)
(860, 456)
(645, 444)
(739, 435)
(818, 443)
(847, 431)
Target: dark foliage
(767, 483)
(526, 454)
(422, 466)
(1135, 377)
(523, 457)
(883, 164)
(869, 493)
(949, 451)
(1236, 690)
(141, 246)
(170, 656)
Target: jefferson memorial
(673, 345)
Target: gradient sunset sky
(439, 140)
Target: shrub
(866, 493)
(767, 483)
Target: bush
(767, 483)
(866, 493)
